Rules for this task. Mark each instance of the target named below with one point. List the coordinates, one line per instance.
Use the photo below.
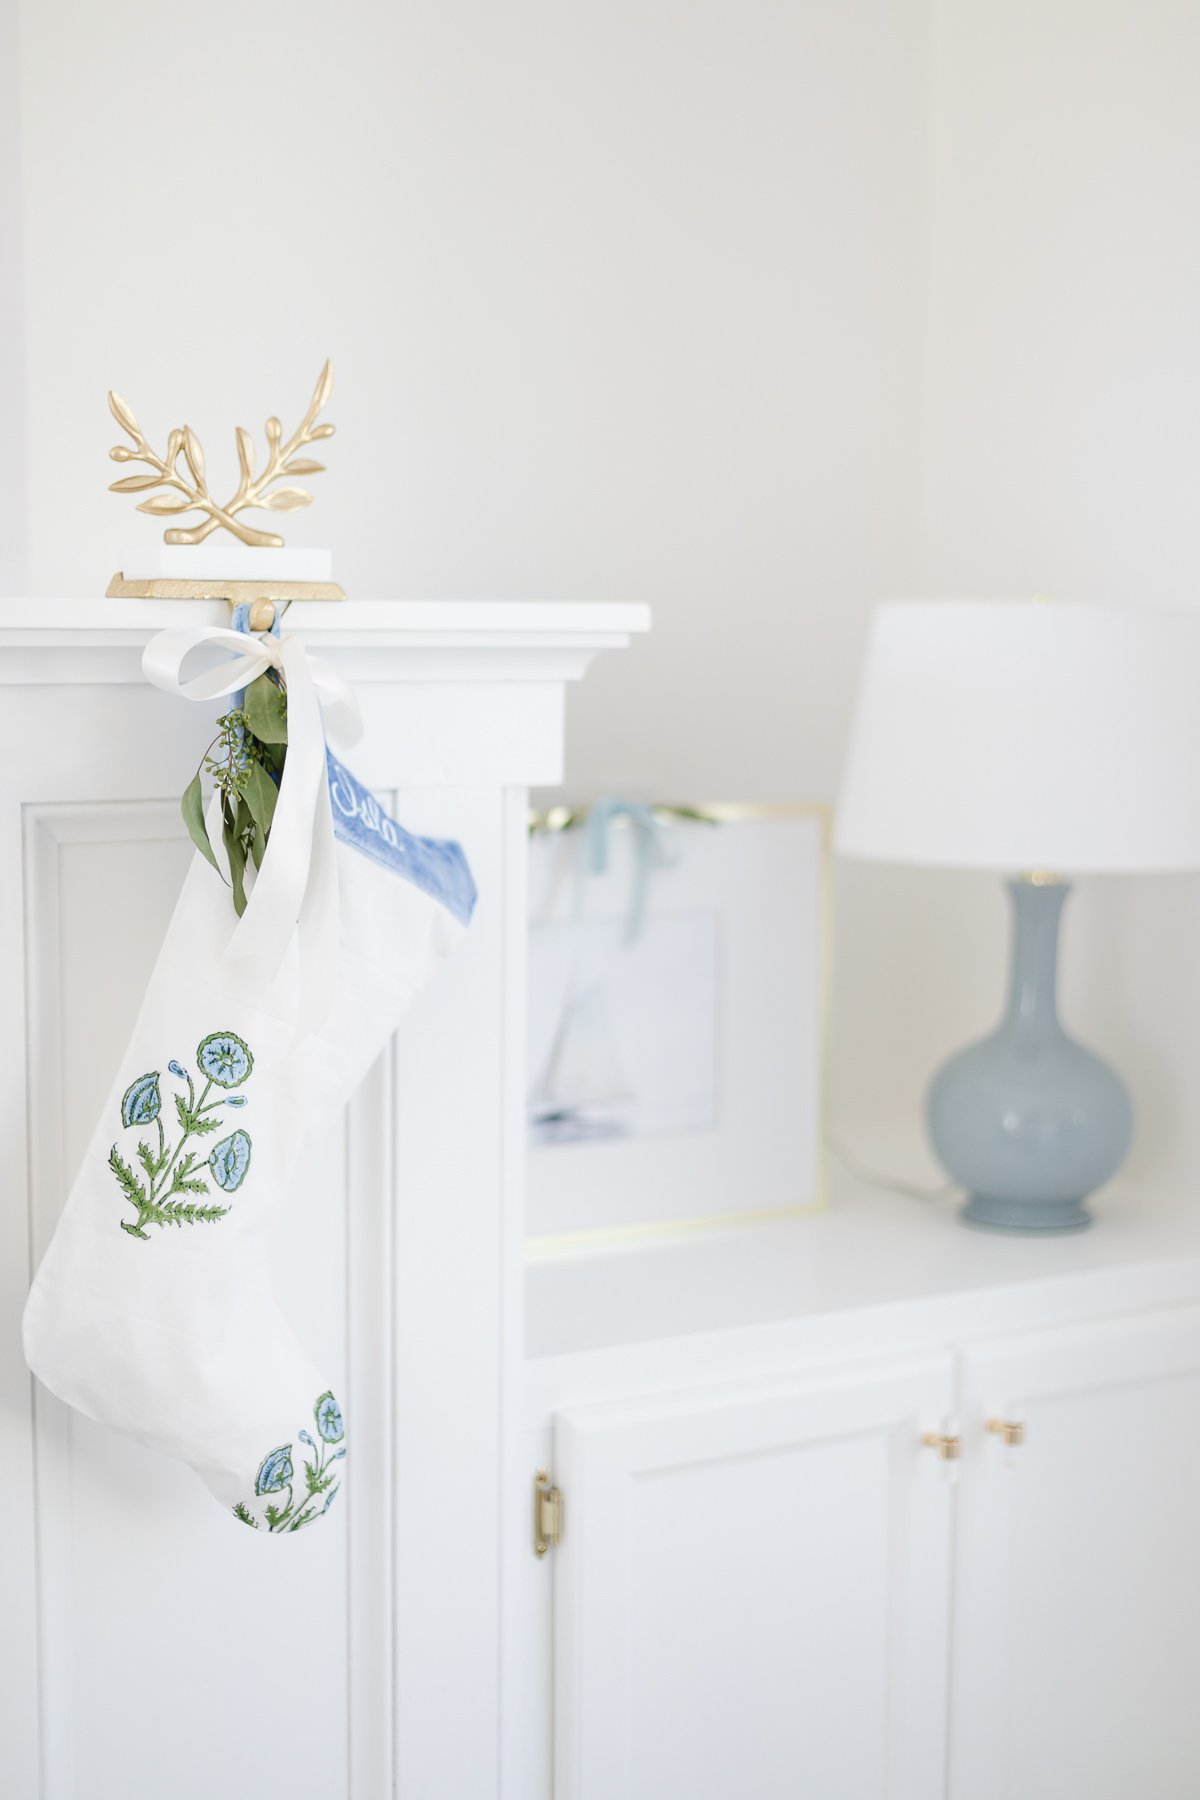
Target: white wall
(621, 300)
(1061, 388)
(13, 522)
(755, 311)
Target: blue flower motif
(176, 1070)
(328, 1415)
(236, 1100)
(224, 1058)
(229, 1161)
(142, 1102)
(305, 1439)
(330, 1497)
(275, 1472)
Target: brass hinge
(1010, 1431)
(948, 1444)
(547, 1514)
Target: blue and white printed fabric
(436, 865)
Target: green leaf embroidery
(131, 1187)
(185, 1212)
(275, 1475)
(180, 1184)
(176, 1191)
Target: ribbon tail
(320, 924)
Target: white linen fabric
(152, 1311)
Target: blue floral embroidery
(142, 1102)
(328, 1415)
(167, 1185)
(275, 1471)
(229, 1161)
(276, 1476)
(225, 1059)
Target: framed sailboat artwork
(677, 975)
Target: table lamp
(1042, 741)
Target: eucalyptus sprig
(245, 763)
(191, 480)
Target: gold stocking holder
(176, 483)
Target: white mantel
(484, 680)
(391, 1624)
(519, 637)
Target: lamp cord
(893, 1184)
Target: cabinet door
(1077, 1586)
(751, 1595)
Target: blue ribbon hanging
(649, 850)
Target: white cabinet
(752, 1592)
(770, 1586)
(1077, 1584)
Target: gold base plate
(238, 593)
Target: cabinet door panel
(751, 1595)
(1077, 1588)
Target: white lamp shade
(1015, 735)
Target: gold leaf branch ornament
(172, 489)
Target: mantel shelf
(471, 639)
(599, 624)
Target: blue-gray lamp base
(995, 1214)
(1028, 1121)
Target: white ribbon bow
(296, 890)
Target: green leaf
(274, 756)
(192, 808)
(235, 850)
(265, 707)
(148, 1160)
(242, 1511)
(261, 797)
(201, 1126)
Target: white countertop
(868, 1249)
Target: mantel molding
(407, 640)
